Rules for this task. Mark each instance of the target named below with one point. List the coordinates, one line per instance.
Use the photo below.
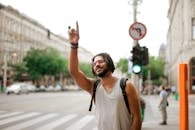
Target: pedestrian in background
(111, 111)
(163, 104)
(173, 89)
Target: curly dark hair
(108, 61)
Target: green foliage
(156, 67)
(38, 63)
(44, 62)
(65, 69)
(19, 69)
(86, 69)
(123, 65)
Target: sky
(103, 24)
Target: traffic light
(136, 59)
(144, 55)
(139, 58)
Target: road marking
(54, 124)
(31, 122)
(2, 112)
(81, 123)
(9, 114)
(5, 121)
(95, 128)
(50, 125)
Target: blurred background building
(19, 33)
(181, 41)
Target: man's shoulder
(130, 87)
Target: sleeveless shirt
(111, 110)
(164, 95)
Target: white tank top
(111, 111)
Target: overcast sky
(104, 24)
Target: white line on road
(9, 114)
(31, 122)
(95, 128)
(54, 124)
(2, 112)
(81, 123)
(5, 121)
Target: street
(69, 110)
(59, 102)
(60, 110)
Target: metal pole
(3, 37)
(5, 71)
(135, 77)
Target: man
(111, 111)
(163, 104)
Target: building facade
(181, 41)
(162, 52)
(19, 33)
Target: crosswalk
(10, 120)
(19, 120)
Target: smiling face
(100, 66)
(102, 63)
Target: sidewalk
(155, 126)
(153, 116)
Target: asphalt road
(59, 102)
(69, 110)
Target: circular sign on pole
(137, 31)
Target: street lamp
(5, 71)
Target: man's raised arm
(81, 80)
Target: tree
(156, 67)
(86, 68)
(19, 70)
(44, 62)
(122, 65)
(48, 62)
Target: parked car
(57, 88)
(18, 88)
(41, 88)
(31, 88)
(50, 88)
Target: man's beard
(103, 73)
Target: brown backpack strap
(123, 86)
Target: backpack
(122, 85)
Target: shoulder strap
(123, 86)
(96, 82)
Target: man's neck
(108, 82)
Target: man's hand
(74, 34)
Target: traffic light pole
(135, 77)
(136, 81)
(136, 68)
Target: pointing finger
(77, 26)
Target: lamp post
(5, 72)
